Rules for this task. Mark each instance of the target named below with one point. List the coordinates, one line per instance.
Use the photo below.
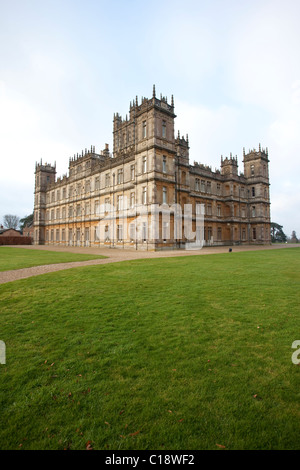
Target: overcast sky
(68, 65)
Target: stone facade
(109, 199)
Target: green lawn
(179, 353)
(17, 258)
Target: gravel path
(114, 256)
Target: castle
(109, 200)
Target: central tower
(150, 124)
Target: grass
(165, 354)
(17, 258)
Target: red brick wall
(18, 240)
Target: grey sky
(68, 65)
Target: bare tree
(11, 221)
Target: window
(96, 207)
(119, 233)
(70, 211)
(197, 184)
(63, 235)
(253, 211)
(57, 214)
(144, 135)
(218, 189)
(70, 237)
(208, 187)
(78, 210)
(252, 170)
(144, 167)
(243, 234)
(107, 180)
(107, 233)
(219, 210)
(202, 186)
(208, 211)
(78, 237)
(132, 172)
(87, 208)
(144, 231)
(243, 212)
(253, 191)
(120, 176)
(78, 189)
(254, 233)
(52, 214)
(64, 193)
(52, 197)
(87, 186)
(165, 231)
(58, 195)
(57, 235)
(164, 129)
(132, 200)
(87, 236)
(165, 194)
(144, 195)
(96, 236)
(219, 234)
(106, 204)
(164, 167)
(199, 208)
(70, 191)
(97, 183)
(132, 232)
(120, 203)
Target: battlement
(254, 154)
(86, 155)
(136, 108)
(45, 167)
(182, 141)
(201, 166)
(229, 161)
